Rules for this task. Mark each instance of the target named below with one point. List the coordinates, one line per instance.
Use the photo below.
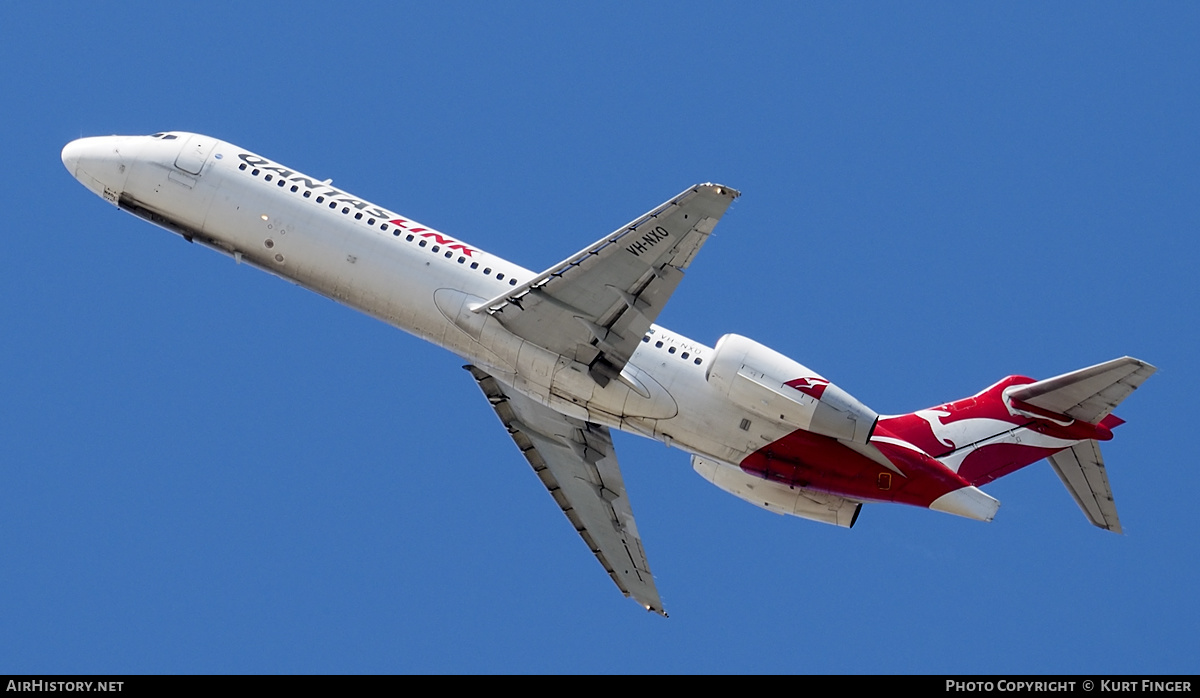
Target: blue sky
(204, 469)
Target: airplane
(566, 355)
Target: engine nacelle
(770, 385)
(778, 497)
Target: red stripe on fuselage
(805, 459)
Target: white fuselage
(758, 424)
(408, 275)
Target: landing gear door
(193, 154)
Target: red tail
(990, 435)
(1019, 421)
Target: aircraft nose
(99, 163)
(71, 153)
(88, 151)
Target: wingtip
(721, 189)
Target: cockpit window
(158, 135)
(170, 137)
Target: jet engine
(772, 386)
(778, 497)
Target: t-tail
(1020, 421)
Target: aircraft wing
(576, 462)
(596, 305)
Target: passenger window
(671, 350)
(421, 243)
(487, 270)
(320, 199)
(268, 178)
(332, 205)
(512, 282)
(436, 248)
(281, 183)
(658, 344)
(307, 193)
(295, 188)
(474, 265)
(370, 221)
(697, 361)
(499, 277)
(345, 209)
(409, 238)
(395, 232)
(684, 355)
(449, 255)
(461, 260)
(242, 166)
(646, 338)
(254, 172)
(358, 216)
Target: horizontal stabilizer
(1081, 468)
(1088, 394)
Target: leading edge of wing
(614, 238)
(577, 464)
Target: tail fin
(1019, 421)
(1089, 395)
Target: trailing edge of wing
(1081, 469)
(596, 305)
(576, 462)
